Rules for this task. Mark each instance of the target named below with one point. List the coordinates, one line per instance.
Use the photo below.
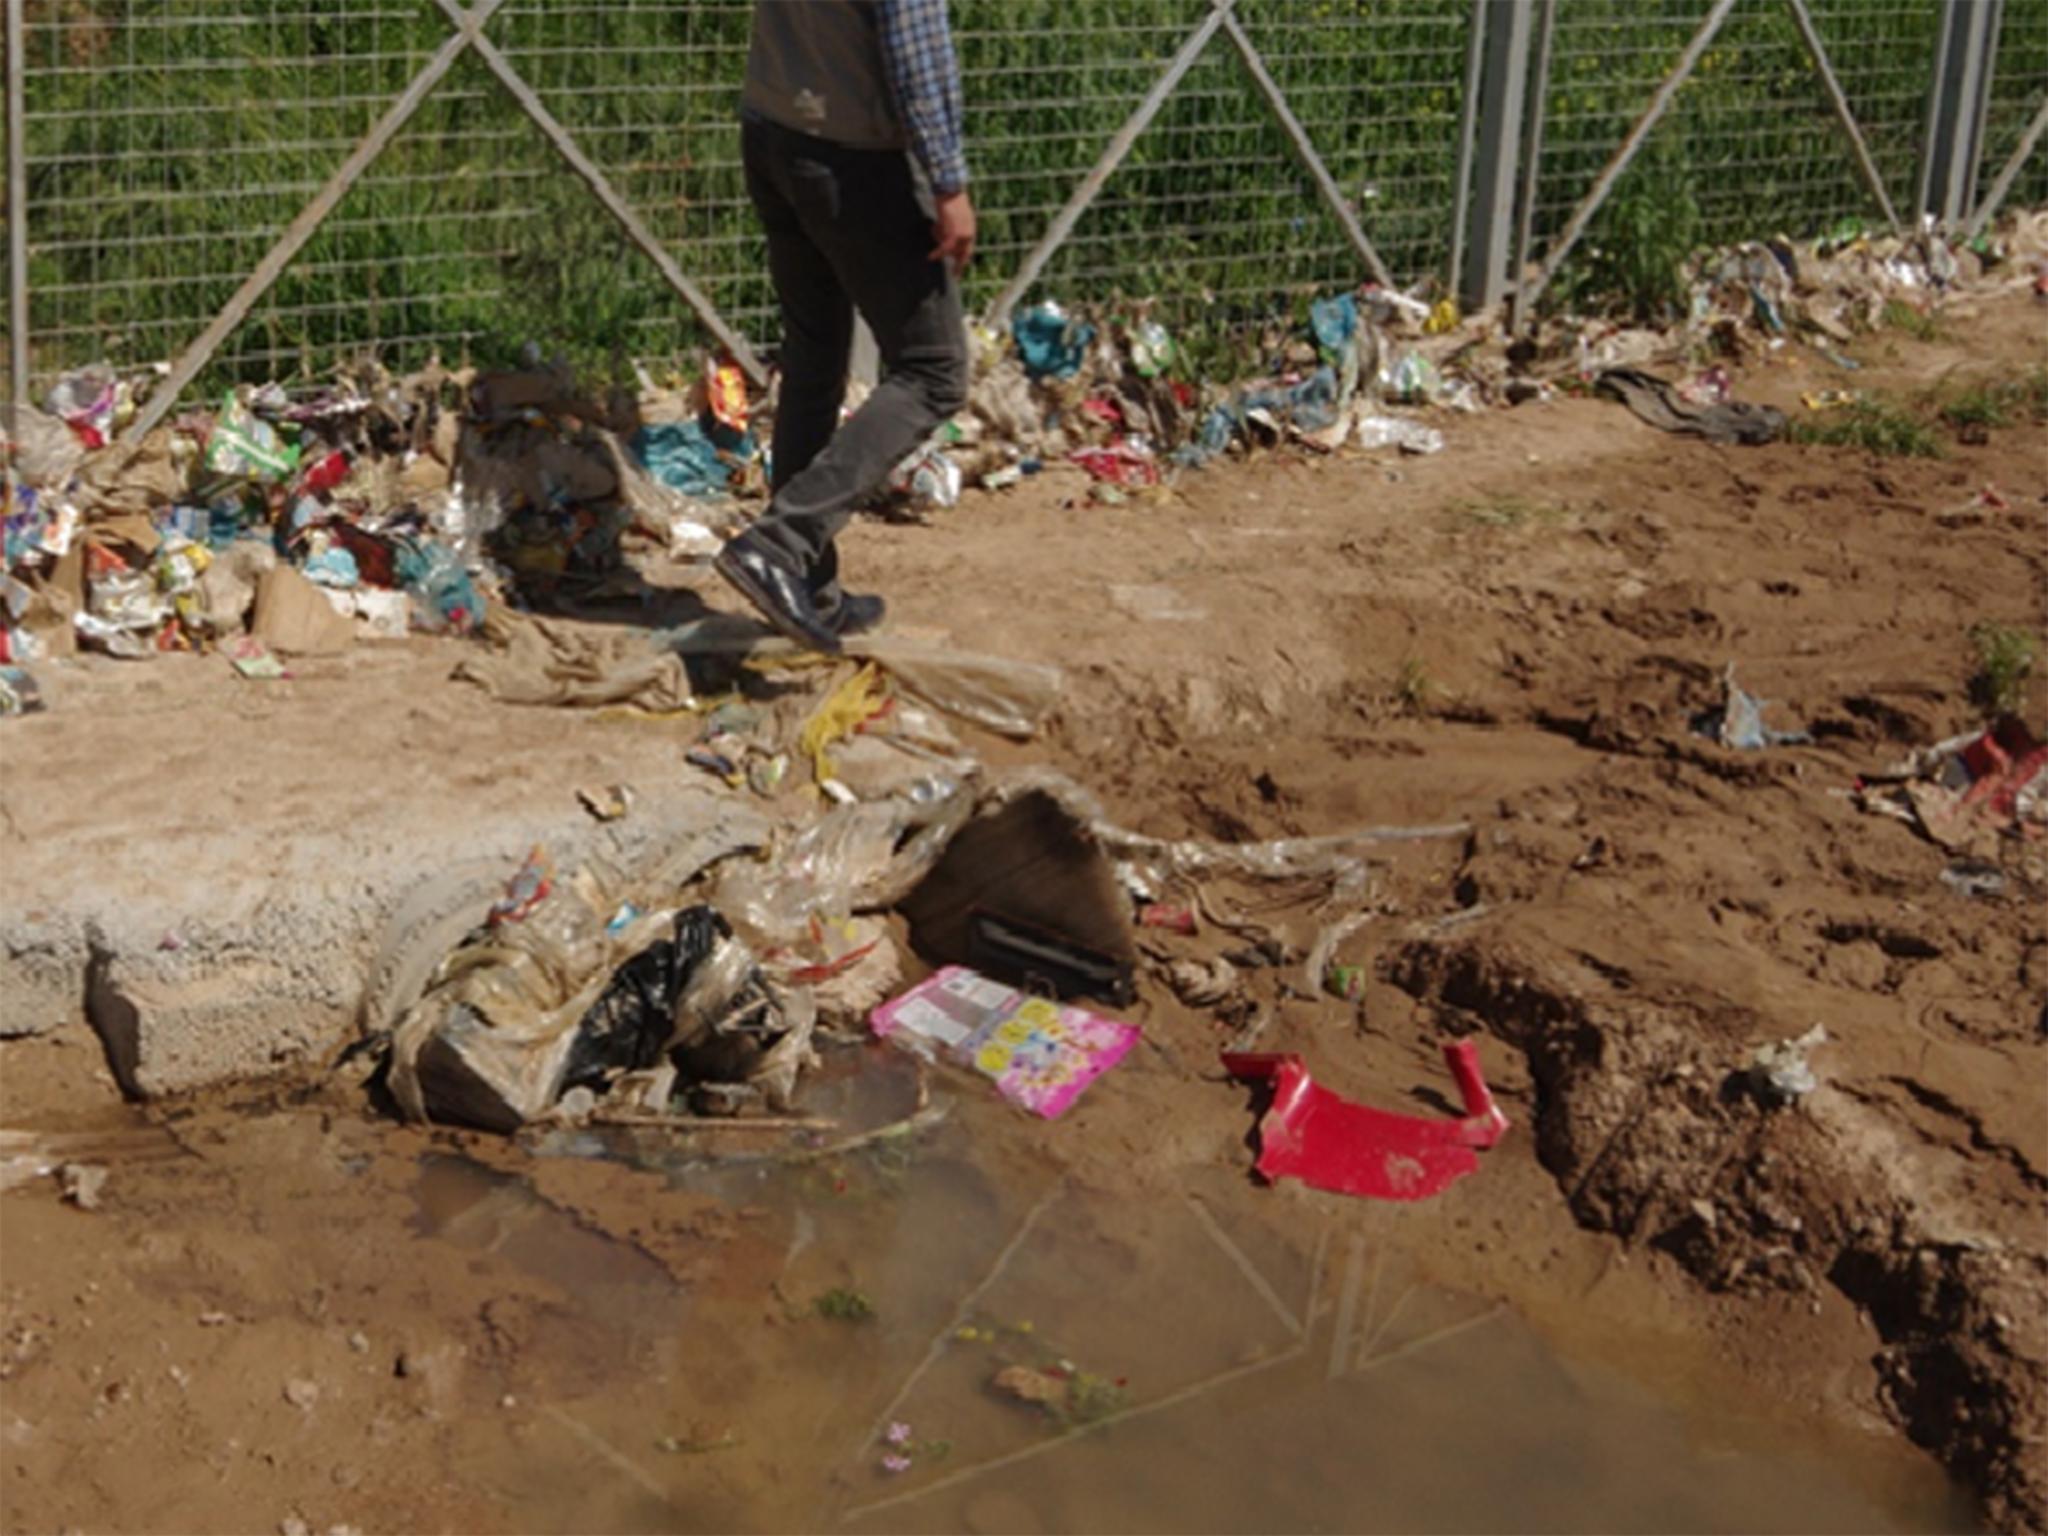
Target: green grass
(1507, 512)
(1981, 406)
(844, 1304)
(1918, 324)
(1978, 405)
(2003, 659)
(2030, 393)
(169, 143)
(1874, 425)
(1414, 689)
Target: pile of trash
(1111, 395)
(1751, 302)
(279, 525)
(801, 908)
(1109, 391)
(1970, 793)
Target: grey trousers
(848, 229)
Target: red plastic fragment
(1176, 919)
(1328, 1142)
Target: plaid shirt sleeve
(917, 49)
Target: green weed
(2030, 391)
(2004, 658)
(844, 1304)
(1507, 512)
(1921, 326)
(1975, 407)
(1414, 689)
(1978, 407)
(1090, 1399)
(1876, 426)
(1651, 228)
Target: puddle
(475, 1207)
(1226, 1359)
(856, 1091)
(1240, 1383)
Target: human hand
(953, 231)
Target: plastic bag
(630, 1026)
(1393, 432)
(1050, 343)
(855, 858)
(1337, 857)
(928, 479)
(1011, 698)
(445, 598)
(490, 1043)
(1152, 349)
(46, 451)
(247, 447)
(1334, 321)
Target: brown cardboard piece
(58, 599)
(294, 617)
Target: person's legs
(817, 313)
(878, 238)
(865, 213)
(779, 569)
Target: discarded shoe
(775, 592)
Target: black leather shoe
(776, 593)
(857, 613)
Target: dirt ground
(253, 1332)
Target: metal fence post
(17, 213)
(1503, 90)
(1532, 163)
(1468, 133)
(1957, 99)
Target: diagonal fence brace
(1090, 186)
(469, 28)
(614, 203)
(2002, 184)
(1839, 100)
(1305, 149)
(1625, 156)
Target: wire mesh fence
(167, 144)
(1751, 146)
(2019, 87)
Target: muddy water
(1228, 1361)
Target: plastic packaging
(855, 858)
(1336, 858)
(445, 599)
(1393, 432)
(247, 447)
(1780, 1074)
(1129, 461)
(1049, 343)
(20, 694)
(725, 394)
(928, 479)
(85, 401)
(1039, 1054)
(1011, 698)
